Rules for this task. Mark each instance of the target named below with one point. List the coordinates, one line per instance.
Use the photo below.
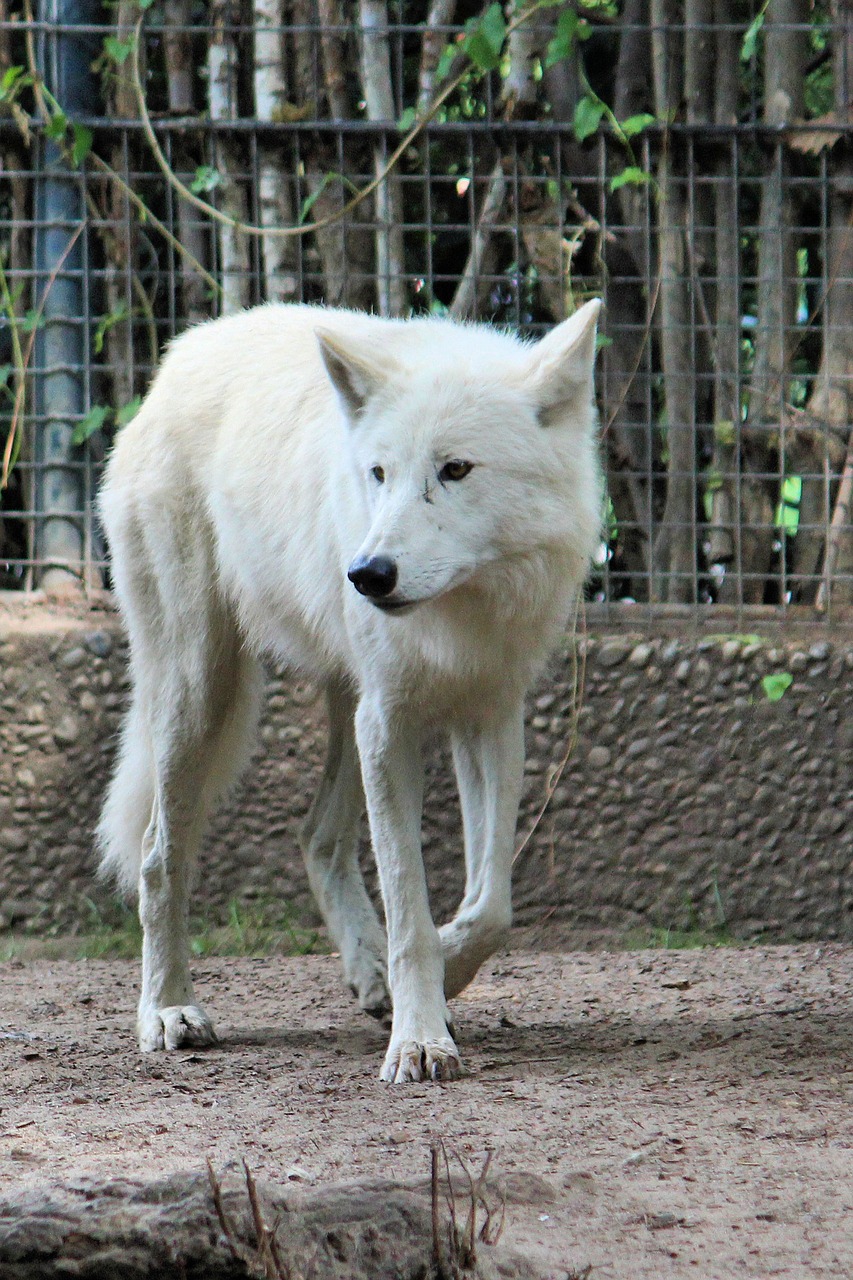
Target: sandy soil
(657, 1114)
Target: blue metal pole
(61, 347)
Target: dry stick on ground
(216, 1192)
(274, 1267)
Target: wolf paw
(408, 1061)
(367, 976)
(175, 1027)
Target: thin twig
(578, 680)
(216, 1192)
(436, 1226)
(21, 373)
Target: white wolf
(403, 511)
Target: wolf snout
(373, 576)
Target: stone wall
(690, 798)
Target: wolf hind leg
(201, 730)
(330, 849)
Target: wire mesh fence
(697, 176)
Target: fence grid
(585, 151)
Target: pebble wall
(690, 796)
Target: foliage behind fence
(689, 162)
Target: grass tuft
(252, 929)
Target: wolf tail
(129, 804)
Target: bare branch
(466, 299)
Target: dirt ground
(654, 1113)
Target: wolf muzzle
(373, 576)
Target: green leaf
(407, 119)
(5, 373)
(776, 684)
(308, 202)
(632, 175)
(724, 433)
(636, 124)
(56, 126)
(106, 323)
(118, 50)
(563, 43)
(448, 56)
(484, 38)
(750, 39)
(82, 144)
(93, 421)
(128, 411)
(31, 320)
(206, 179)
(588, 115)
(14, 79)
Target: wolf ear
(354, 372)
(561, 365)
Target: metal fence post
(66, 53)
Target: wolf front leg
(421, 1047)
(489, 764)
(330, 848)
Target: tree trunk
(344, 250)
(279, 254)
(120, 250)
(334, 58)
(820, 450)
(633, 447)
(432, 45)
(15, 539)
(721, 545)
(674, 561)
(222, 70)
(473, 281)
(189, 1225)
(754, 504)
(392, 295)
(180, 81)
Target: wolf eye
(455, 470)
(378, 474)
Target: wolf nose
(375, 577)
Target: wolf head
(473, 449)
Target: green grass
(689, 939)
(251, 929)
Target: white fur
(235, 502)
